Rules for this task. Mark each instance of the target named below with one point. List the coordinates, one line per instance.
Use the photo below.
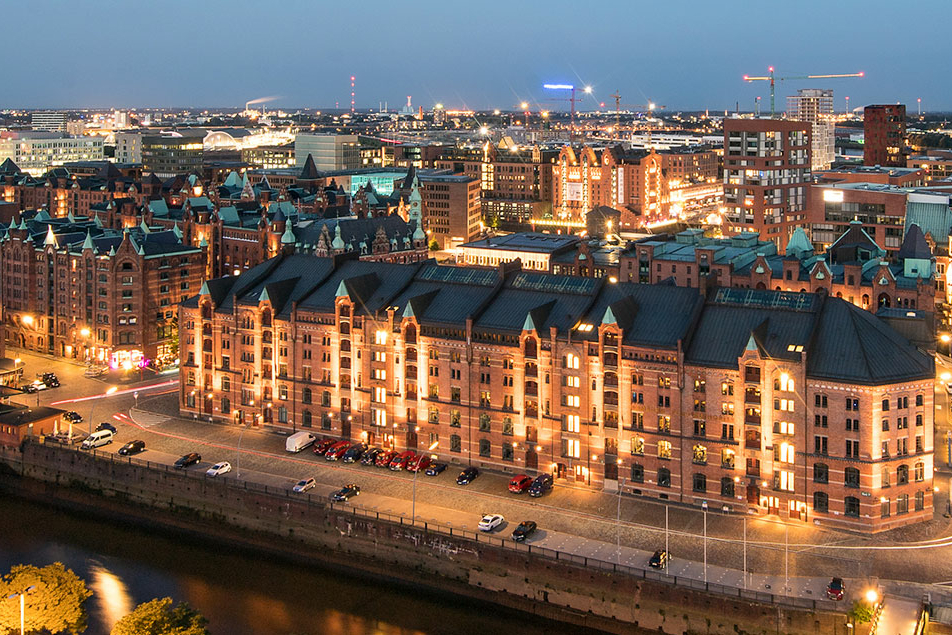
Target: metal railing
(478, 538)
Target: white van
(298, 441)
(96, 439)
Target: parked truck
(299, 440)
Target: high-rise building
(330, 152)
(884, 129)
(168, 155)
(766, 176)
(128, 147)
(48, 121)
(37, 152)
(815, 105)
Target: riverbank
(319, 534)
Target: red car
(337, 450)
(420, 462)
(401, 460)
(383, 460)
(323, 446)
(519, 484)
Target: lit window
(572, 423)
(787, 453)
(380, 338)
(571, 361)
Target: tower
(352, 79)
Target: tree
(55, 604)
(861, 612)
(158, 617)
(434, 245)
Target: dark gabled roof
(309, 171)
(9, 167)
(914, 245)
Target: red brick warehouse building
(775, 402)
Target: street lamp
(92, 408)
(22, 606)
(415, 474)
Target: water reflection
(239, 593)
(110, 595)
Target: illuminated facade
(765, 402)
(74, 289)
(37, 152)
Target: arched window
(851, 477)
(326, 398)
(306, 395)
(410, 334)
(484, 422)
(700, 483)
(306, 419)
(282, 414)
(266, 317)
(700, 455)
(821, 473)
(507, 452)
(664, 477)
(727, 487)
(851, 506)
(485, 448)
(455, 444)
(283, 392)
(883, 300)
(902, 475)
(821, 502)
(885, 476)
(225, 405)
(920, 471)
(530, 347)
(507, 428)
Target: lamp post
(92, 408)
(22, 606)
(415, 474)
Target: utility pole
(705, 546)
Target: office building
(166, 155)
(128, 147)
(36, 152)
(884, 132)
(733, 399)
(766, 176)
(330, 152)
(48, 121)
(815, 106)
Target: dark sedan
(525, 529)
(370, 456)
(353, 453)
(105, 425)
(435, 469)
(467, 476)
(345, 493)
(189, 459)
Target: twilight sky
(686, 54)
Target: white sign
(573, 191)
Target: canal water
(239, 593)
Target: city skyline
(217, 55)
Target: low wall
(579, 591)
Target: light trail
(127, 391)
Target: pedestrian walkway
(899, 616)
(148, 419)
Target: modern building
(815, 106)
(128, 147)
(884, 132)
(48, 121)
(166, 155)
(936, 166)
(73, 288)
(329, 151)
(451, 211)
(534, 250)
(37, 152)
(756, 401)
(766, 176)
(899, 177)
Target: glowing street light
(22, 605)
(92, 408)
(27, 319)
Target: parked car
(384, 458)
(303, 485)
(337, 450)
(97, 439)
(298, 441)
(345, 493)
(133, 447)
(417, 463)
(520, 483)
(105, 425)
(73, 416)
(835, 590)
(36, 386)
(322, 446)
(541, 485)
(490, 522)
(370, 456)
(435, 469)
(353, 453)
(400, 461)
(525, 529)
(467, 476)
(189, 459)
(49, 379)
(658, 560)
(219, 468)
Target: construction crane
(770, 78)
(649, 108)
(573, 99)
